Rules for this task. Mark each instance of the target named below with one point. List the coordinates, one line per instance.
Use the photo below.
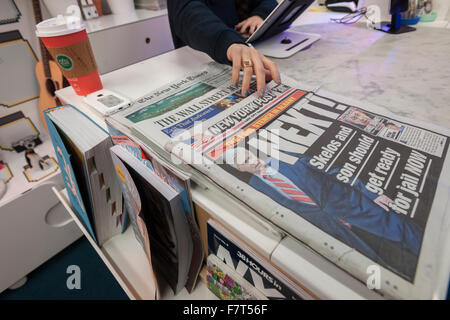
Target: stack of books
(82, 151)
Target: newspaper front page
(365, 188)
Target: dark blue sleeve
(263, 8)
(194, 24)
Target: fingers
(387, 199)
(247, 73)
(237, 61)
(387, 202)
(252, 63)
(258, 69)
(253, 27)
(248, 29)
(251, 24)
(268, 76)
(245, 26)
(259, 23)
(240, 24)
(272, 67)
(380, 201)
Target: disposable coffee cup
(66, 40)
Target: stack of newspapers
(364, 188)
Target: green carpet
(49, 280)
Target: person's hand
(248, 26)
(383, 201)
(252, 63)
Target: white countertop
(408, 73)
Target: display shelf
(116, 20)
(127, 262)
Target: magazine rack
(126, 260)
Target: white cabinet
(33, 228)
(119, 41)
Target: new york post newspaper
(357, 184)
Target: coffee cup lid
(59, 26)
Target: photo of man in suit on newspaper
(352, 214)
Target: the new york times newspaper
(355, 183)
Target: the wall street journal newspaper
(357, 184)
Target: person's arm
(194, 23)
(263, 8)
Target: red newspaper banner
(257, 124)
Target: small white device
(285, 44)
(106, 101)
